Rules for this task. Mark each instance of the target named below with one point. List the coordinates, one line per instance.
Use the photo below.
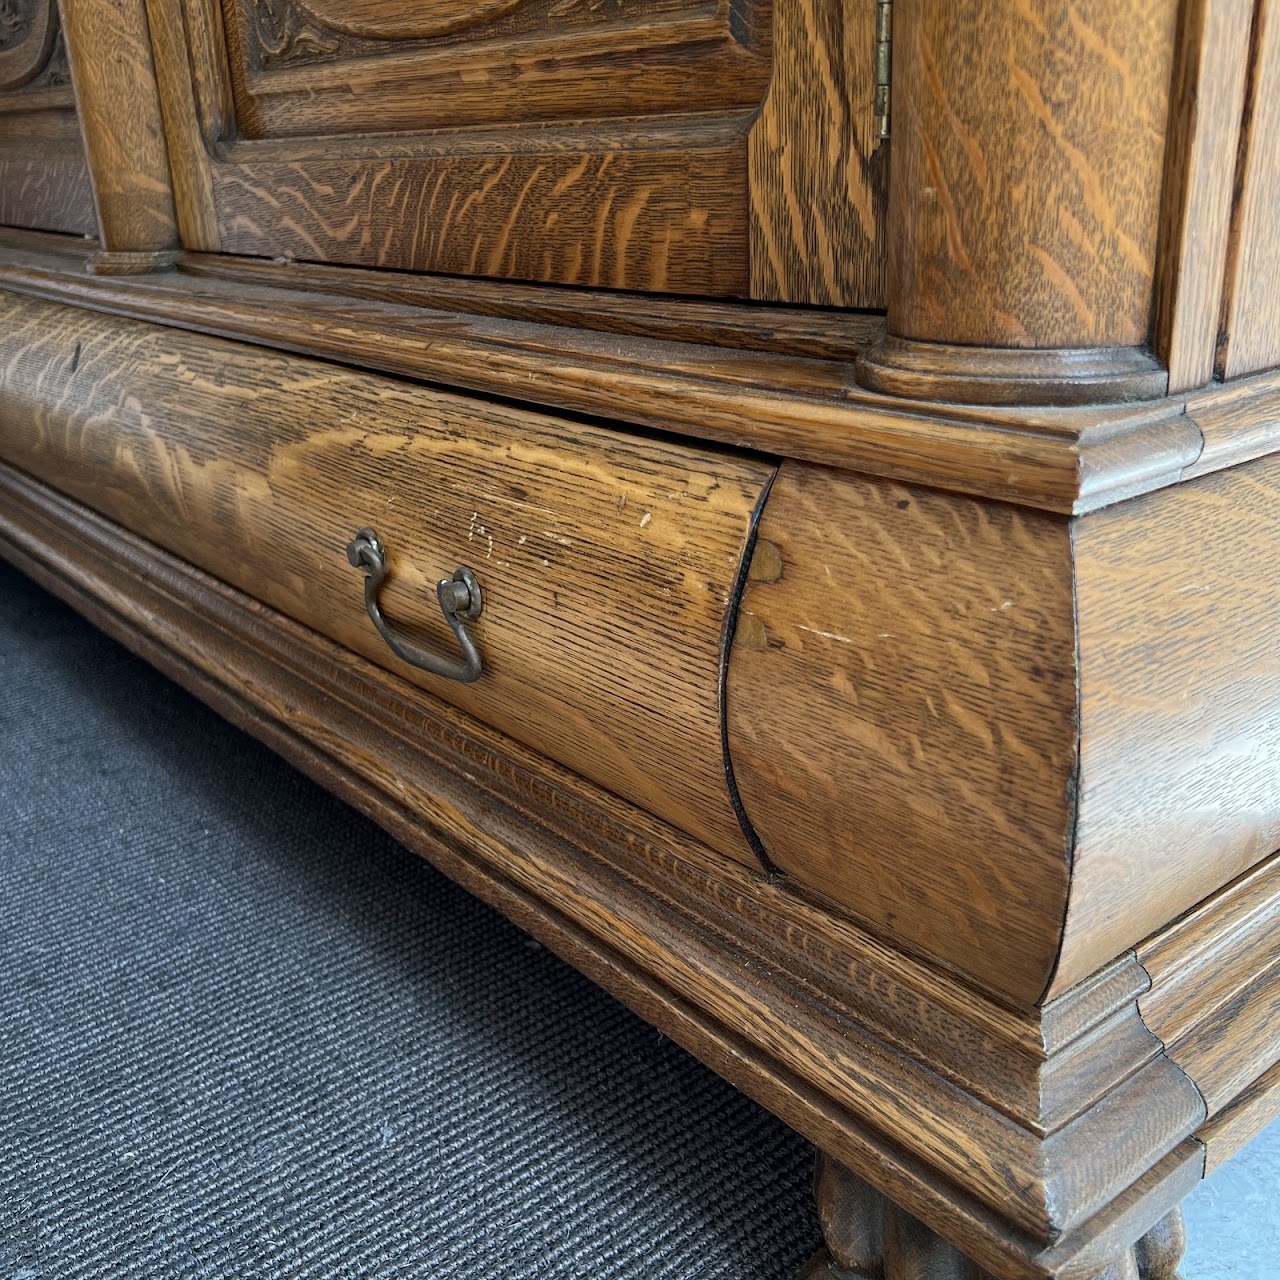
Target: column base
(1009, 376)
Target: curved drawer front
(607, 562)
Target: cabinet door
(605, 143)
(44, 183)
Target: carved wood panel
(322, 67)
(28, 29)
(601, 143)
(43, 179)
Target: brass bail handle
(460, 602)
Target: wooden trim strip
(1204, 131)
(1238, 1124)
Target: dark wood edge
(678, 934)
(1011, 375)
(1065, 460)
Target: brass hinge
(884, 64)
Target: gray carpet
(243, 1034)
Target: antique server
(780, 497)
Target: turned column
(109, 50)
(1026, 163)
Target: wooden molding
(1251, 309)
(1204, 129)
(1011, 375)
(1068, 460)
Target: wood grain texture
(1234, 1045)
(46, 188)
(1239, 421)
(184, 63)
(1055, 459)
(941, 371)
(109, 48)
(596, 213)
(1209, 956)
(1204, 130)
(1214, 999)
(614, 155)
(793, 331)
(818, 169)
(640, 65)
(652, 916)
(1028, 148)
(607, 563)
(1238, 1124)
(1180, 705)
(1251, 318)
(901, 717)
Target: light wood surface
(607, 563)
(1204, 131)
(109, 49)
(1251, 320)
(818, 167)
(641, 213)
(1180, 705)
(901, 716)
(1028, 148)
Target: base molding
(940, 372)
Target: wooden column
(1028, 146)
(109, 48)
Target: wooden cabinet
(860, 418)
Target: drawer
(607, 563)
(44, 180)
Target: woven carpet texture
(243, 1033)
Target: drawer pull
(460, 602)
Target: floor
(243, 1034)
(1233, 1219)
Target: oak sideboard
(780, 497)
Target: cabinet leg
(852, 1216)
(1158, 1253)
(868, 1238)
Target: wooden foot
(913, 1252)
(869, 1238)
(852, 1216)
(1158, 1253)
